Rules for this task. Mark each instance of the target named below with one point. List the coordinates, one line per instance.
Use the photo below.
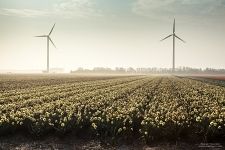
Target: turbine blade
(174, 25)
(52, 42)
(179, 38)
(166, 37)
(41, 36)
(51, 30)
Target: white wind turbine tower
(174, 36)
(48, 39)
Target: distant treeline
(130, 70)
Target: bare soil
(22, 142)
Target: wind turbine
(48, 39)
(174, 36)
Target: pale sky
(111, 33)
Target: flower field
(147, 107)
(216, 80)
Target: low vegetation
(149, 108)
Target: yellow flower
(94, 125)
(198, 119)
(120, 130)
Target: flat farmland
(212, 79)
(147, 108)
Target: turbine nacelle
(174, 36)
(48, 36)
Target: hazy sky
(110, 33)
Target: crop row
(18, 82)
(210, 80)
(58, 91)
(184, 107)
(147, 107)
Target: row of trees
(130, 70)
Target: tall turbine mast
(48, 39)
(173, 46)
(174, 37)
